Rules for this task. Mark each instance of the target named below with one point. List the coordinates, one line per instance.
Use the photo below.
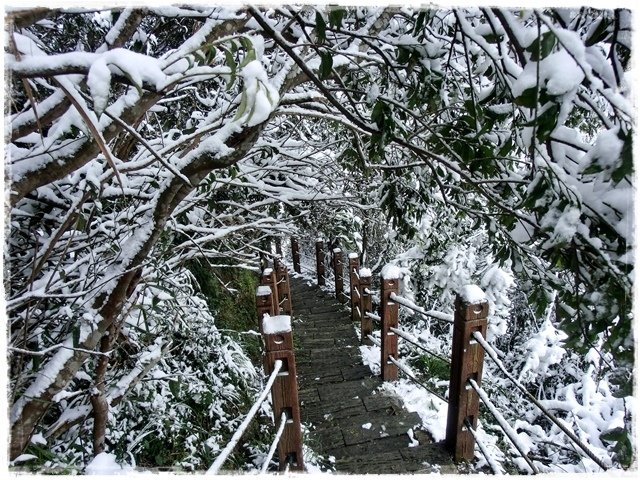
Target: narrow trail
(365, 430)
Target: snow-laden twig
(494, 356)
(219, 461)
(42, 353)
(274, 444)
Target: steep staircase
(362, 430)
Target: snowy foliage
(471, 145)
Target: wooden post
(264, 303)
(354, 287)
(269, 279)
(389, 283)
(467, 357)
(278, 344)
(366, 323)
(320, 261)
(338, 271)
(284, 288)
(279, 247)
(295, 254)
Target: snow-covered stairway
(365, 430)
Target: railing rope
(467, 359)
(495, 467)
(413, 378)
(445, 317)
(222, 457)
(274, 444)
(414, 341)
(494, 356)
(508, 430)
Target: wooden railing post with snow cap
(320, 261)
(278, 344)
(269, 279)
(389, 283)
(338, 271)
(295, 254)
(366, 323)
(284, 288)
(467, 357)
(354, 287)
(264, 303)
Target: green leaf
(75, 334)
(377, 114)
(599, 34)
(231, 63)
(419, 22)
(243, 106)
(542, 46)
(403, 55)
(546, 122)
(335, 17)
(626, 157)
(326, 63)
(174, 387)
(527, 98)
(321, 28)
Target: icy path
(366, 431)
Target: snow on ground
(105, 464)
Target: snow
(390, 272)
(106, 464)
(25, 457)
(276, 324)
(337, 250)
(263, 291)
(364, 272)
(472, 294)
(559, 73)
(260, 95)
(38, 439)
(367, 426)
(353, 255)
(99, 81)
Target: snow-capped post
(320, 261)
(389, 283)
(278, 345)
(279, 247)
(354, 287)
(366, 323)
(338, 270)
(264, 303)
(295, 254)
(284, 288)
(269, 279)
(467, 357)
